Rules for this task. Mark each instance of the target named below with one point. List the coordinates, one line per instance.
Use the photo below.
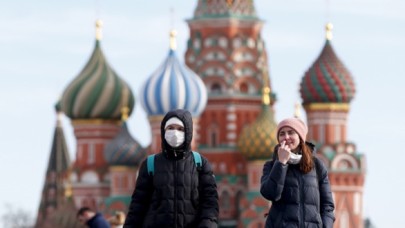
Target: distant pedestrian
(92, 219)
(296, 181)
(176, 188)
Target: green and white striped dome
(97, 92)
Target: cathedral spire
(57, 174)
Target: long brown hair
(307, 163)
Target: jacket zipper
(302, 200)
(175, 191)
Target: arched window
(216, 88)
(244, 88)
(213, 135)
(90, 177)
(225, 200)
(238, 208)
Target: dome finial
(329, 28)
(266, 87)
(124, 113)
(266, 95)
(99, 26)
(173, 43)
(297, 110)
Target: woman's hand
(283, 153)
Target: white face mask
(174, 137)
(294, 158)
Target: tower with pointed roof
(93, 101)
(326, 90)
(56, 195)
(226, 50)
(172, 86)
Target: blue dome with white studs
(173, 86)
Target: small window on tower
(225, 200)
(216, 88)
(244, 88)
(213, 139)
(197, 44)
(223, 42)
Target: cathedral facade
(225, 84)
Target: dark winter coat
(98, 221)
(177, 195)
(298, 199)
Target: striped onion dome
(97, 92)
(124, 149)
(173, 86)
(243, 9)
(327, 80)
(257, 140)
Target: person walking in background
(92, 219)
(296, 181)
(176, 187)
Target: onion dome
(327, 80)
(173, 86)
(97, 92)
(257, 140)
(243, 9)
(124, 149)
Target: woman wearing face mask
(296, 181)
(178, 194)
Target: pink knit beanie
(295, 123)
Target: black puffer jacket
(177, 195)
(298, 200)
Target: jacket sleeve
(141, 198)
(326, 200)
(272, 181)
(209, 208)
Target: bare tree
(16, 218)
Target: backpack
(150, 164)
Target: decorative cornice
(118, 168)
(95, 122)
(155, 118)
(327, 107)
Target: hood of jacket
(184, 149)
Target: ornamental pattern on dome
(327, 80)
(124, 149)
(173, 86)
(257, 141)
(243, 9)
(97, 92)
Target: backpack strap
(197, 159)
(318, 170)
(151, 164)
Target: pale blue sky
(45, 44)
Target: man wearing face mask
(179, 193)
